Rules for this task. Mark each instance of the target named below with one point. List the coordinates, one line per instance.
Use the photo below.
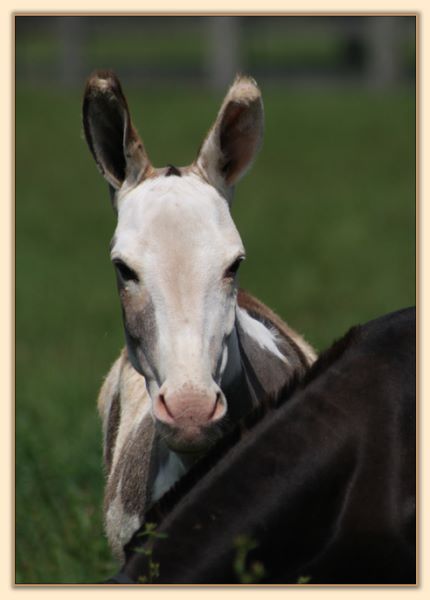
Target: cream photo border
(7, 11)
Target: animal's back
(373, 537)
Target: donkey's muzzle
(188, 415)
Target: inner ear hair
(104, 130)
(238, 139)
(233, 141)
(111, 137)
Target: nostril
(164, 407)
(219, 408)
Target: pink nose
(189, 408)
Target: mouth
(190, 441)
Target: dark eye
(124, 272)
(232, 270)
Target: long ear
(235, 138)
(111, 137)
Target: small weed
(304, 579)
(150, 532)
(247, 574)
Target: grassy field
(327, 216)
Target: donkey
(199, 353)
(321, 490)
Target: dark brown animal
(321, 488)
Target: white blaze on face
(178, 236)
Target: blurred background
(327, 216)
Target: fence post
(223, 51)
(71, 37)
(383, 53)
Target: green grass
(292, 49)
(327, 216)
(179, 47)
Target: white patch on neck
(168, 473)
(264, 337)
(231, 356)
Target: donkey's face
(176, 252)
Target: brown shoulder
(260, 311)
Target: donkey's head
(176, 252)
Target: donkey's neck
(166, 468)
(257, 368)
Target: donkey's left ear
(111, 137)
(235, 138)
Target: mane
(242, 429)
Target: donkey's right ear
(111, 137)
(235, 138)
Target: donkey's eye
(233, 268)
(125, 273)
